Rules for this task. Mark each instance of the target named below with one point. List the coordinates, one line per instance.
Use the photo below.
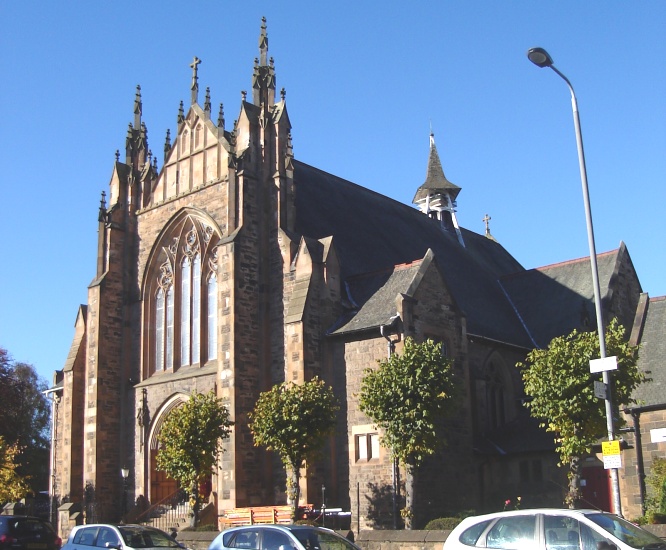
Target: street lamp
(541, 58)
(124, 472)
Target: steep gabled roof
(376, 293)
(373, 232)
(556, 299)
(652, 355)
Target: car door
(107, 538)
(513, 533)
(85, 538)
(273, 539)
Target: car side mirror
(116, 546)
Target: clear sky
(365, 82)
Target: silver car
(119, 537)
(281, 537)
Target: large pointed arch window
(184, 299)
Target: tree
(407, 396)
(294, 420)
(24, 420)
(13, 487)
(560, 385)
(191, 442)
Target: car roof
(527, 511)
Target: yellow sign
(610, 448)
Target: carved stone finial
(167, 143)
(243, 95)
(181, 114)
(220, 117)
(102, 208)
(117, 155)
(207, 101)
(263, 42)
(283, 94)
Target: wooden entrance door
(161, 486)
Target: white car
(119, 537)
(551, 529)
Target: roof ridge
(387, 269)
(573, 261)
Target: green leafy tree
(24, 420)
(407, 396)
(294, 420)
(13, 487)
(561, 388)
(191, 442)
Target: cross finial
(486, 220)
(195, 79)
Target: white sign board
(612, 462)
(658, 435)
(601, 365)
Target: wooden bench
(256, 514)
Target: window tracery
(184, 303)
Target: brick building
(234, 266)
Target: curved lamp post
(541, 58)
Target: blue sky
(365, 82)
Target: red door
(596, 487)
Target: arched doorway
(161, 486)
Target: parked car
(119, 537)
(281, 537)
(27, 533)
(551, 529)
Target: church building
(229, 265)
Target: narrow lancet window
(212, 316)
(185, 297)
(159, 331)
(196, 307)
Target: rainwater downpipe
(635, 413)
(384, 330)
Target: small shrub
(442, 524)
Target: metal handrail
(168, 513)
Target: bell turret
(437, 196)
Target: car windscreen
(314, 539)
(627, 532)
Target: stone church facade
(234, 266)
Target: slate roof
(436, 181)
(372, 232)
(555, 299)
(652, 355)
(377, 292)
